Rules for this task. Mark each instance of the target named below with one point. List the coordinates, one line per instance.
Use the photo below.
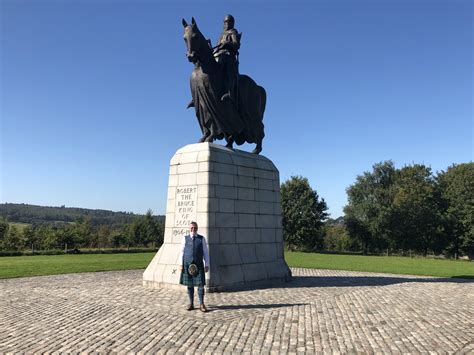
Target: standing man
(194, 257)
(227, 52)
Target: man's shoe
(190, 307)
(203, 308)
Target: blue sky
(93, 93)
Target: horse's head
(194, 40)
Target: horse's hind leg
(258, 148)
(230, 141)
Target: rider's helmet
(229, 22)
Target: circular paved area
(319, 311)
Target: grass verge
(21, 266)
(384, 264)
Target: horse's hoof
(209, 139)
(202, 139)
(229, 145)
(256, 151)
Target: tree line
(406, 210)
(142, 231)
(32, 214)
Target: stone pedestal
(234, 196)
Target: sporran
(193, 270)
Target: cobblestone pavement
(319, 311)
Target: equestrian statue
(228, 105)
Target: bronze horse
(237, 122)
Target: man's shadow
(255, 306)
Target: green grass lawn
(20, 266)
(385, 264)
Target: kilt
(189, 280)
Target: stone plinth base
(234, 197)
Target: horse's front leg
(209, 139)
(205, 136)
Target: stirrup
(226, 96)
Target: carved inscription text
(185, 209)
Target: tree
(4, 227)
(103, 235)
(47, 237)
(13, 239)
(145, 230)
(303, 214)
(153, 229)
(410, 209)
(336, 238)
(414, 217)
(457, 193)
(369, 202)
(119, 238)
(127, 232)
(159, 233)
(66, 236)
(83, 232)
(137, 234)
(30, 237)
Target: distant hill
(32, 214)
